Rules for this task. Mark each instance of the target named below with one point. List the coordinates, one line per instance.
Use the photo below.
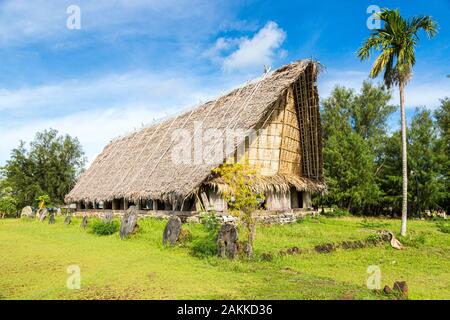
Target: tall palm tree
(396, 41)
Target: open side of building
(272, 124)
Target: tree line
(362, 158)
(48, 166)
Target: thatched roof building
(281, 109)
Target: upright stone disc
(227, 241)
(172, 230)
(51, 218)
(42, 214)
(27, 212)
(84, 222)
(68, 219)
(128, 224)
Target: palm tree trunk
(404, 163)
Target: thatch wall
(139, 165)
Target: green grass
(34, 258)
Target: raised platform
(265, 216)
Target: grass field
(34, 258)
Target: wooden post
(306, 200)
(294, 199)
(205, 201)
(114, 204)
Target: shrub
(443, 226)
(375, 239)
(413, 239)
(300, 219)
(102, 228)
(211, 221)
(204, 247)
(184, 237)
(8, 204)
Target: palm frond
(381, 62)
(396, 42)
(374, 42)
(425, 23)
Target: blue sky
(135, 61)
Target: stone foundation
(282, 217)
(268, 216)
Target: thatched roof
(139, 165)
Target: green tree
(19, 174)
(442, 115)
(397, 40)
(369, 113)
(8, 204)
(354, 130)
(425, 163)
(350, 173)
(241, 198)
(50, 166)
(389, 177)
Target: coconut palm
(396, 41)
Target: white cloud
(250, 53)
(221, 45)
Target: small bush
(185, 237)
(300, 220)
(204, 247)
(210, 220)
(102, 228)
(443, 226)
(413, 239)
(375, 239)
